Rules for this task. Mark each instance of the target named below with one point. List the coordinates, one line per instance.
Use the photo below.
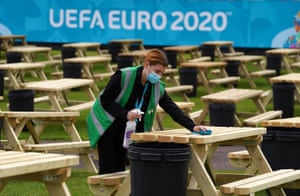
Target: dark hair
(156, 56)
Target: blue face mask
(153, 78)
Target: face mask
(153, 78)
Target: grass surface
(78, 182)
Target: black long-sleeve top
(113, 89)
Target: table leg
(247, 75)
(205, 81)
(89, 75)
(259, 105)
(11, 136)
(53, 98)
(200, 174)
(262, 164)
(287, 64)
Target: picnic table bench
(51, 169)
(14, 123)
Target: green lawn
(78, 182)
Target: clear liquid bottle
(130, 128)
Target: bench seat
(57, 146)
(231, 54)
(101, 76)
(227, 80)
(257, 119)
(263, 73)
(239, 159)
(261, 182)
(200, 59)
(79, 107)
(107, 184)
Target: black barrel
(124, 61)
(274, 62)
(283, 98)
(279, 146)
(72, 70)
(114, 49)
(221, 114)
(158, 169)
(21, 100)
(172, 58)
(68, 52)
(13, 57)
(208, 50)
(232, 68)
(2, 74)
(188, 76)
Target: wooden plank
(230, 187)
(267, 183)
(57, 146)
(37, 165)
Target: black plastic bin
(72, 70)
(172, 58)
(232, 68)
(283, 98)
(114, 49)
(21, 100)
(221, 114)
(274, 62)
(124, 61)
(208, 50)
(158, 169)
(188, 76)
(2, 74)
(68, 52)
(13, 57)
(279, 146)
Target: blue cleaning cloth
(203, 132)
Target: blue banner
(248, 23)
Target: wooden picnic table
(8, 41)
(30, 54)
(127, 43)
(205, 178)
(286, 54)
(233, 96)
(51, 169)
(203, 67)
(82, 47)
(219, 44)
(89, 62)
(57, 89)
(14, 123)
(16, 71)
(137, 55)
(292, 122)
(244, 60)
(293, 78)
(191, 50)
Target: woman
(129, 90)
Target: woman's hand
(134, 114)
(197, 128)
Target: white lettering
(60, 18)
(131, 19)
(97, 20)
(159, 20)
(84, 16)
(71, 19)
(143, 18)
(114, 19)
